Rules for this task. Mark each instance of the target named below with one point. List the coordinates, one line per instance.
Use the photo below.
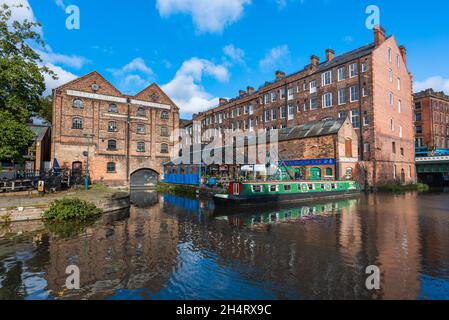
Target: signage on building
(309, 162)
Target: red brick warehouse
(131, 136)
(371, 85)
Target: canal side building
(319, 150)
(431, 120)
(127, 137)
(371, 85)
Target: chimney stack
(242, 92)
(250, 90)
(280, 75)
(222, 101)
(403, 52)
(330, 55)
(314, 61)
(379, 35)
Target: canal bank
(28, 207)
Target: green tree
(46, 108)
(21, 82)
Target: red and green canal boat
(275, 192)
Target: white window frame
(341, 73)
(351, 94)
(353, 70)
(327, 100)
(326, 78)
(291, 94)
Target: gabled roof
(346, 57)
(39, 131)
(312, 129)
(86, 76)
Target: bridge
(433, 170)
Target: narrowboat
(275, 192)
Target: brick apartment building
(431, 119)
(371, 85)
(128, 137)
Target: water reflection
(171, 247)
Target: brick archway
(144, 177)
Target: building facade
(431, 120)
(371, 85)
(127, 137)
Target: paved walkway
(25, 200)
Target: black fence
(29, 180)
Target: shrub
(71, 209)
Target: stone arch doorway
(144, 178)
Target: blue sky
(199, 50)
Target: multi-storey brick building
(371, 85)
(128, 137)
(431, 119)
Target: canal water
(171, 247)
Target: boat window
(257, 188)
(322, 186)
(333, 186)
(287, 187)
(273, 188)
(310, 186)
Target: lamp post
(88, 136)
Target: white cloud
(21, 11)
(72, 61)
(186, 89)
(63, 77)
(283, 3)
(208, 16)
(133, 76)
(60, 3)
(436, 83)
(235, 54)
(276, 58)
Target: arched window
(111, 167)
(77, 103)
(112, 145)
(164, 115)
(164, 131)
(329, 172)
(164, 148)
(77, 123)
(112, 126)
(140, 111)
(140, 146)
(112, 108)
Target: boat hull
(247, 201)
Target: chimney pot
(250, 90)
(222, 101)
(314, 60)
(280, 75)
(242, 92)
(379, 35)
(330, 55)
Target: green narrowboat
(276, 192)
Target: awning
(258, 168)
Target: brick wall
(70, 143)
